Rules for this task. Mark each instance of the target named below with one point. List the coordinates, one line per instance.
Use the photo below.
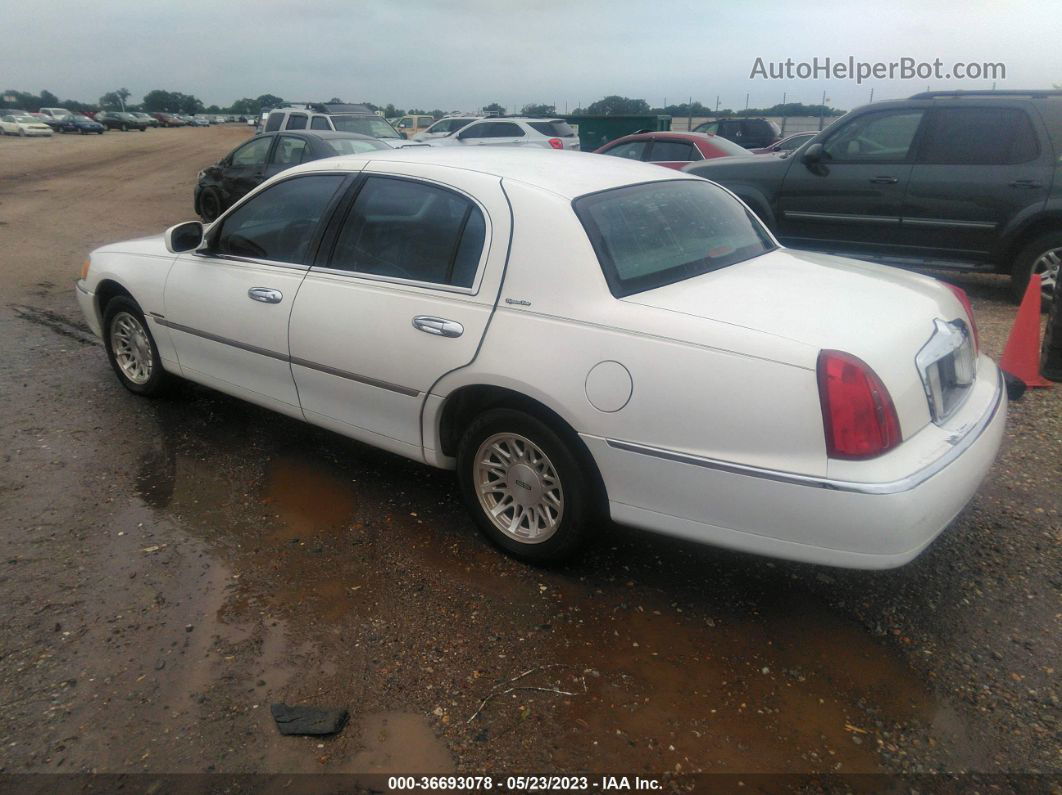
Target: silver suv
(444, 127)
(506, 131)
(344, 118)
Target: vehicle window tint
(319, 123)
(457, 124)
(874, 137)
(289, 151)
(985, 136)
(665, 151)
(632, 150)
(404, 124)
(273, 122)
(278, 223)
(658, 233)
(296, 121)
(559, 129)
(793, 142)
(474, 131)
(502, 129)
(409, 230)
(354, 146)
(372, 126)
(253, 153)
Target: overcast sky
(462, 54)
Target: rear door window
(320, 123)
(289, 151)
(252, 153)
(979, 136)
(502, 129)
(402, 229)
(296, 121)
(670, 151)
(631, 150)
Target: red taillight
(857, 411)
(556, 143)
(964, 299)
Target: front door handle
(267, 295)
(884, 180)
(439, 326)
(1026, 183)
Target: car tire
(131, 349)
(546, 520)
(1041, 255)
(210, 205)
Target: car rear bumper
(864, 525)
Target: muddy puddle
(353, 578)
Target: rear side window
(273, 122)
(320, 123)
(289, 151)
(657, 233)
(667, 151)
(553, 129)
(979, 136)
(501, 129)
(632, 150)
(279, 222)
(296, 121)
(409, 230)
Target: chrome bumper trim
(908, 483)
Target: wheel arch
(107, 290)
(1017, 239)
(463, 405)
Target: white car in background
(511, 131)
(445, 126)
(23, 124)
(576, 336)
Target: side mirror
(184, 237)
(813, 154)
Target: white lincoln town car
(579, 337)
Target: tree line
(158, 100)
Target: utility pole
(822, 109)
(746, 103)
(784, 115)
(871, 96)
(689, 116)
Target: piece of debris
(308, 720)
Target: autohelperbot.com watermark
(901, 69)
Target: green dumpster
(596, 131)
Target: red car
(671, 149)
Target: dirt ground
(170, 568)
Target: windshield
(27, 119)
(657, 233)
(373, 126)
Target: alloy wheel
(1047, 265)
(131, 347)
(518, 488)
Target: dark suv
(960, 179)
(750, 133)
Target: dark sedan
(113, 120)
(76, 123)
(247, 166)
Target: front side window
(409, 230)
(273, 122)
(979, 136)
(252, 154)
(657, 233)
(671, 151)
(874, 137)
(279, 222)
(631, 150)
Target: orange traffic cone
(1021, 357)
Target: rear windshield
(558, 129)
(366, 125)
(657, 233)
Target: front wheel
(131, 349)
(1042, 256)
(523, 486)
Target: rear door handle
(267, 295)
(439, 326)
(1026, 183)
(884, 180)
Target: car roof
(567, 174)
(328, 134)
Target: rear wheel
(131, 349)
(1041, 256)
(523, 486)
